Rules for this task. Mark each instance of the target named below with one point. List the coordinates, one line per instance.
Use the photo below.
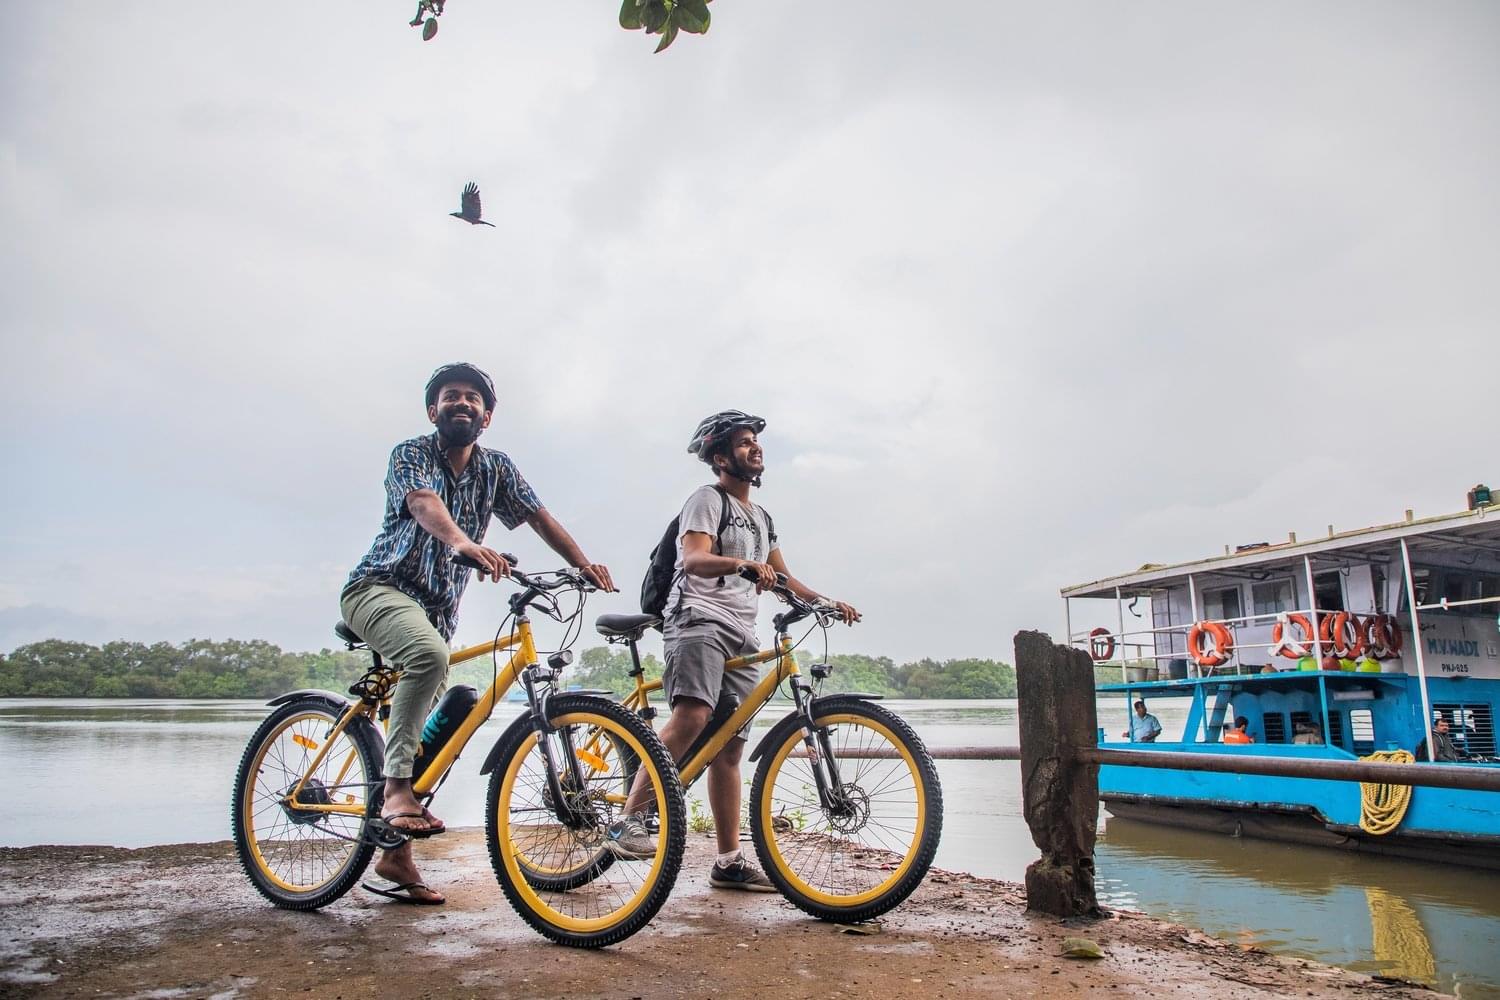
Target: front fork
(825, 766)
(538, 682)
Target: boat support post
(1312, 603)
(1416, 643)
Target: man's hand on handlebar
(846, 612)
(492, 564)
(598, 575)
(761, 574)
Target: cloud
(1029, 295)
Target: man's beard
(458, 434)
(742, 471)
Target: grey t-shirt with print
(733, 599)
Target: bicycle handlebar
(567, 577)
(802, 609)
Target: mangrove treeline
(254, 668)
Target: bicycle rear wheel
(301, 859)
(869, 851)
(589, 903)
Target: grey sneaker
(739, 874)
(629, 840)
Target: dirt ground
(183, 921)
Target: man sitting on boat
(1446, 751)
(1308, 733)
(1237, 733)
(1144, 728)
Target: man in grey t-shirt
(710, 618)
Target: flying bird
(470, 211)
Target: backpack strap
(723, 522)
(723, 518)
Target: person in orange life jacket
(1237, 733)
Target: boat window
(1362, 728)
(1306, 728)
(1168, 642)
(1450, 584)
(1422, 580)
(1222, 605)
(1335, 729)
(1470, 726)
(1377, 579)
(1275, 726)
(1329, 592)
(1271, 597)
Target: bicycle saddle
(344, 632)
(625, 625)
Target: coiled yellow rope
(1381, 806)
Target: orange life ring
(1385, 636)
(1292, 649)
(1223, 644)
(1101, 650)
(1344, 633)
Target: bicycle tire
(304, 860)
(613, 903)
(848, 867)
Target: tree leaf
(654, 16)
(691, 16)
(630, 15)
(667, 38)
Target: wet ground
(184, 921)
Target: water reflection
(1430, 923)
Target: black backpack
(662, 571)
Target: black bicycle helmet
(712, 431)
(461, 371)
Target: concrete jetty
(184, 921)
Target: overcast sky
(1030, 294)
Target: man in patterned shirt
(402, 598)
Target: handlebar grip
(476, 564)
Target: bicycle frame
(825, 768)
(524, 656)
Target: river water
(138, 773)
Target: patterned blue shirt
(406, 557)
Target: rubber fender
(785, 727)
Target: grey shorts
(696, 648)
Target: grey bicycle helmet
(712, 431)
(461, 372)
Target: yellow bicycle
(845, 807)
(307, 797)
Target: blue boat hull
(1452, 826)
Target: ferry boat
(1349, 646)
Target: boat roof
(1479, 528)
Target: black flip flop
(431, 831)
(403, 893)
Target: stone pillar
(1055, 689)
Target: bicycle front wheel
(304, 858)
(868, 848)
(548, 848)
(549, 870)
